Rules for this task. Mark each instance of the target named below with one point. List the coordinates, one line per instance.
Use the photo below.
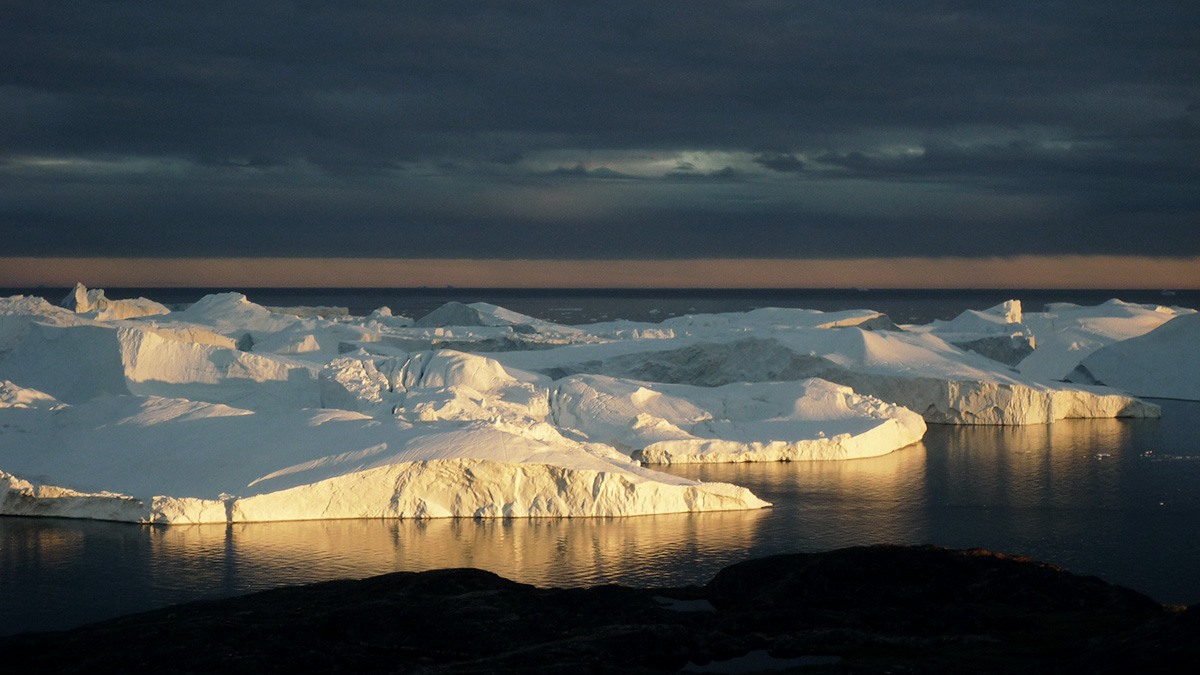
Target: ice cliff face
(229, 411)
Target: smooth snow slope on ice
(1163, 363)
(669, 424)
(18, 313)
(1066, 334)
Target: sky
(871, 133)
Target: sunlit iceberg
(228, 411)
(1162, 363)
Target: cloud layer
(600, 130)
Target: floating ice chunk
(482, 314)
(777, 319)
(383, 316)
(311, 312)
(355, 383)
(71, 363)
(184, 332)
(198, 416)
(484, 470)
(84, 301)
(289, 342)
(24, 498)
(478, 314)
(14, 396)
(441, 385)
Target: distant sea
(1114, 498)
(577, 306)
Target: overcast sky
(599, 130)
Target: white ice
(231, 411)
(1066, 334)
(774, 421)
(1162, 363)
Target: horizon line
(1108, 272)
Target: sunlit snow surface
(228, 411)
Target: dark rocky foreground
(862, 610)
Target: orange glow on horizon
(1107, 272)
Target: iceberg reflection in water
(1114, 498)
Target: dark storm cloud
(781, 161)
(599, 129)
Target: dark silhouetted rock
(862, 610)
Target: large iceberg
(183, 418)
(164, 460)
(228, 411)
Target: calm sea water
(1114, 498)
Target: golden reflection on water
(1067, 464)
(545, 552)
(889, 476)
(43, 546)
(825, 504)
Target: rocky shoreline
(864, 610)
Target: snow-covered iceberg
(997, 333)
(918, 371)
(777, 421)
(228, 411)
(1066, 333)
(163, 460)
(208, 416)
(94, 303)
(1163, 363)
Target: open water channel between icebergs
(1115, 498)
